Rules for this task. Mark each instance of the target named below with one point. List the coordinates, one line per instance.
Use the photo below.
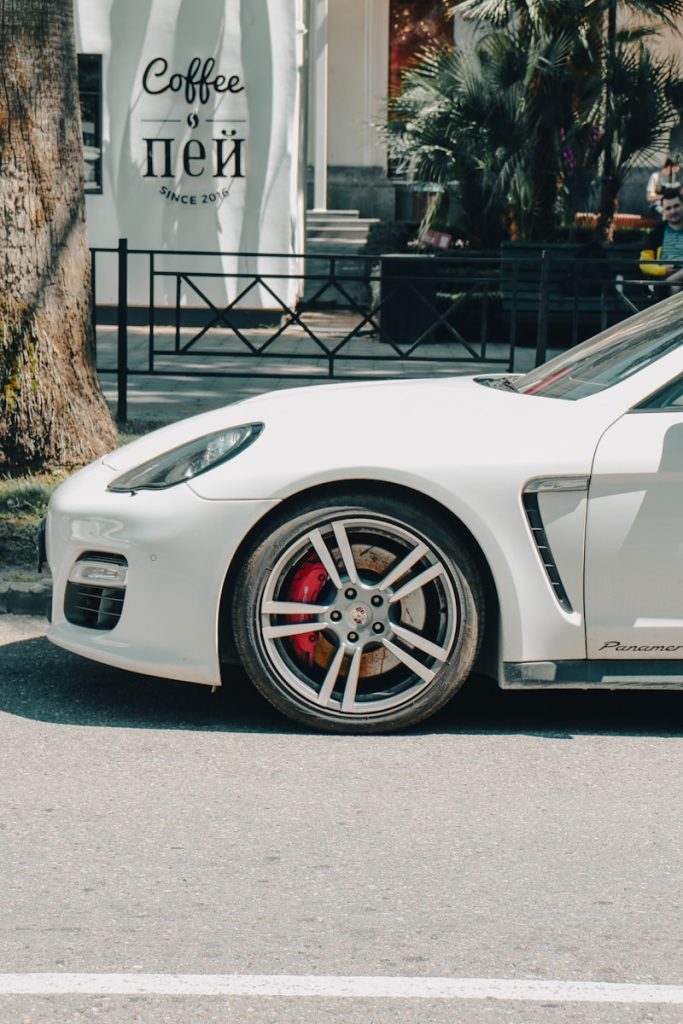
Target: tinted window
(669, 397)
(609, 357)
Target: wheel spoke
(351, 687)
(331, 677)
(345, 551)
(325, 556)
(292, 608)
(402, 568)
(420, 642)
(292, 629)
(412, 663)
(416, 582)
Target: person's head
(672, 207)
(669, 162)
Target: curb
(25, 598)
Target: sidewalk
(295, 362)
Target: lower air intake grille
(533, 514)
(88, 602)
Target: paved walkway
(293, 361)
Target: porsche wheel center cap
(358, 615)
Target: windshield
(611, 356)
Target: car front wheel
(364, 616)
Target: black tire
(377, 648)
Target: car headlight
(188, 460)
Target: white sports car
(360, 547)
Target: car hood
(333, 407)
(408, 431)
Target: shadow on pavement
(43, 683)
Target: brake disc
(373, 563)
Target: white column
(368, 35)
(319, 106)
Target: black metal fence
(338, 315)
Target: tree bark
(52, 411)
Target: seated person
(665, 242)
(668, 177)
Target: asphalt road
(150, 827)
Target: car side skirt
(595, 674)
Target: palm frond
(516, 119)
(669, 12)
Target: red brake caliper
(309, 580)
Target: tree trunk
(52, 412)
(610, 185)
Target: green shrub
(26, 498)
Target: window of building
(414, 24)
(90, 90)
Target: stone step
(359, 235)
(25, 598)
(344, 214)
(337, 232)
(345, 223)
(334, 246)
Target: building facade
(368, 43)
(193, 134)
(204, 122)
(212, 124)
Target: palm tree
(495, 122)
(542, 116)
(637, 108)
(445, 100)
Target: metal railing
(350, 316)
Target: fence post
(93, 303)
(543, 303)
(122, 351)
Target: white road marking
(334, 987)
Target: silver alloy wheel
(385, 621)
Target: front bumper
(177, 547)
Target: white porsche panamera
(360, 548)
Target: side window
(90, 91)
(668, 397)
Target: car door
(634, 534)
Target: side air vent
(533, 514)
(96, 590)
